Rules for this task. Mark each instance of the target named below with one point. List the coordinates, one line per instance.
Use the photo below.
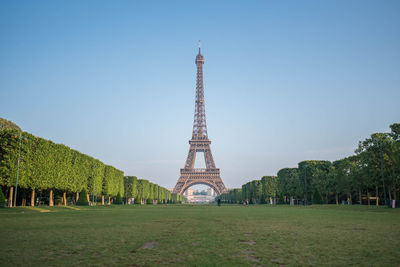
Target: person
(219, 202)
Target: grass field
(200, 235)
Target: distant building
(188, 192)
(197, 196)
(210, 192)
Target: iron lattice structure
(199, 143)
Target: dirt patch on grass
(252, 258)
(250, 242)
(249, 256)
(149, 245)
(247, 251)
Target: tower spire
(199, 46)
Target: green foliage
(233, 196)
(255, 192)
(2, 199)
(118, 199)
(82, 200)
(146, 192)
(312, 173)
(289, 183)
(317, 199)
(143, 190)
(6, 124)
(130, 186)
(176, 198)
(269, 187)
(45, 165)
(326, 182)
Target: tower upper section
(199, 58)
(199, 123)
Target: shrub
(2, 199)
(82, 201)
(58, 201)
(118, 199)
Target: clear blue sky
(285, 81)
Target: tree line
(144, 192)
(58, 173)
(372, 174)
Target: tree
(308, 171)
(118, 199)
(143, 191)
(82, 201)
(150, 198)
(271, 188)
(376, 152)
(289, 185)
(6, 124)
(130, 186)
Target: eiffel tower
(199, 143)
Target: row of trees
(45, 166)
(49, 169)
(143, 191)
(254, 192)
(370, 174)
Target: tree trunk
(368, 200)
(350, 199)
(51, 203)
(377, 197)
(395, 194)
(109, 200)
(291, 201)
(337, 199)
(77, 196)
(23, 202)
(33, 198)
(88, 199)
(390, 194)
(102, 200)
(360, 196)
(10, 204)
(65, 198)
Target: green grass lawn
(200, 235)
